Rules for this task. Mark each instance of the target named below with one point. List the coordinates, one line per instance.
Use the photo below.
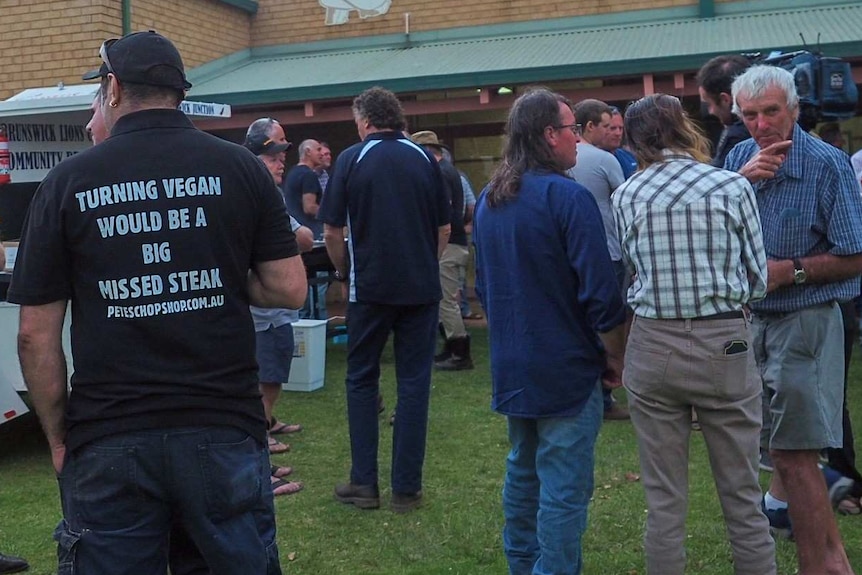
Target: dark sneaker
(838, 485)
(405, 502)
(362, 496)
(12, 564)
(454, 363)
(779, 522)
(442, 356)
(616, 413)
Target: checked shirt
(690, 234)
(812, 206)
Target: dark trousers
(843, 459)
(368, 329)
(122, 495)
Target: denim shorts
(801, 360)
(274, 351)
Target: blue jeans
(368, 328)
(122, 494)
(548, 485)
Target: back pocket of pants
(232, 477)
(732, 375)
(645, 368)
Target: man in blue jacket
(553, 343)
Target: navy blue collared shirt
(545, 279)
(389, 193)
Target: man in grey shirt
(600, 172)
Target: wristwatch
(799, 275)
(339, 277)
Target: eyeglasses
(103, 53)
(577, 129)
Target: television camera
(824, 84)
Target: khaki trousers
(454, 261)
(670, 367)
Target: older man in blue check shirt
(811, 214)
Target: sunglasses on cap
(103, 53)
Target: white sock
(773, 503)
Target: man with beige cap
(456, 346)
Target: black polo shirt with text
(151, 235)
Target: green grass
(457, 532)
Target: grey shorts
(274, 353)
(801, 360)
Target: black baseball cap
(263, 144)
(142, 58)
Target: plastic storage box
(309, 356)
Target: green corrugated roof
(319, 71)
(249, 6)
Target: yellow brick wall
(283, 21)
(203, 30)
(45, 42)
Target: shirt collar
(148, 119)
(669, 154)
(385, 135)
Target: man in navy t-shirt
(389, 194)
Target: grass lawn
(456, 532)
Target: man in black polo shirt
(160, 236)
(389, 192)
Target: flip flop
(278, 428)
(284, 487)
(849, 506)
(279, 472)
(275, 446)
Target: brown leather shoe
(616, 413)
(405, 502)
(362, 496)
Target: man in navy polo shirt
(389, 193)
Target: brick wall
(203, 30)
(282, 22)
(45, 42)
